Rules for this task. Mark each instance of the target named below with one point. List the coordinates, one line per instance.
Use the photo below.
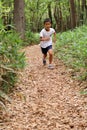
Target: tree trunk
(78, 13)
(72, 13)
(57, 18)
(83, 10)
(49, 11)
(86, 8)
(19, 19)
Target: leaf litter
(45, 99)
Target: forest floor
(45, 99)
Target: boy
(46, 42)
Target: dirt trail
(46, 99)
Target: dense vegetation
(11, 60)
(31, 38)
(64, 14)
(71, 47)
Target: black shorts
(45, 50)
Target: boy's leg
(44, 51)
(44, 59)
(44, 56)
(50, 51)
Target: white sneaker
(50, 66)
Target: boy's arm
(54, 38)
(44, 38)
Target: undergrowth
(71, 47)
(31, 38)
(11, 61)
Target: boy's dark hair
(47, 20)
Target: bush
(71, 47)
(11, 59)
(31, 38)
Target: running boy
(46, 42)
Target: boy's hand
(44, 38)
(54, 39)
(47, 39)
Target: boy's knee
(45, 55)
(51, 53)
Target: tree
(73, 14)
(57, 18)
(83, 10)
(19, 18)
(49, 11)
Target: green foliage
(9, 50)
(35, 13)
(71, 47)
(64, 6)
(84, 92)
(11, 58)
(31, 38)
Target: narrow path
(46, 99)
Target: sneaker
(50, 66)
(44, 62)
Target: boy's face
(47, 25)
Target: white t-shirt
(45, 33)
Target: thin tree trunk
(19, 19)
(56, 16)
(78, 13)
(49, 11)
(72, 12)
(83, 10)
(86, 8)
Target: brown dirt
(46, 99)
